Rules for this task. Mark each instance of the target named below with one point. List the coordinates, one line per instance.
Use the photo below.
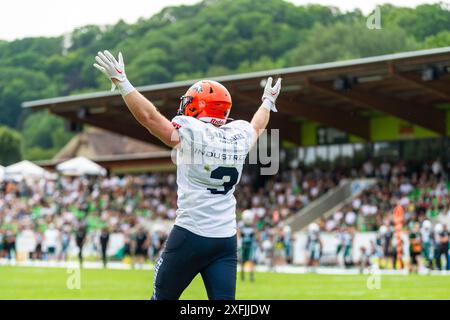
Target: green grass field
(51, 283)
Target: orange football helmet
(208, 101)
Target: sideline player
(288, 240)
(349, 236)
(210, 157)
(248, 244)
(313, 245)
(142, 242)
(427, 237)
(384, 246)
(415, 248)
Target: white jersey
(209, 165)
(51, 238)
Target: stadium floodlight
(98, 110)
(429, 74)
(370, 78)
(263, 82)
(82, 113)
(432, 73)
(344, 83)
(292, 88)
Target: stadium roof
(95, 142)
(138, 162)
(412, 88)
(115, 152)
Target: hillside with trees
(211, 38)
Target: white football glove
(113, 69)
(271, 94)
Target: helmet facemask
(184, 101)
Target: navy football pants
(185, 255)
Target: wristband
(269, 105)
(125, 87)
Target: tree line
(210, 38)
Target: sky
(25, 18)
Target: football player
(415, 248)
(427, 237)
(313, 245)
(288, 240)
(248, 244)
(384, 246)
(349, 235)
(441, 245)
(210, 157)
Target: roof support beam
(424, 116)
(135, 130)
(343, 121)
(290, 130)
(291, 106)
(419, 83)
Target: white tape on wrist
(269, 105)
(125, 87)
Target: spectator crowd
(138, 207)
(65, 210)
(423, 192)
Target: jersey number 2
(222, 172)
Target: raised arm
(147, 115)
(142, 109)
(262, 115)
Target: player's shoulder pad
(183, 121)
(239, 124)
(243, 125)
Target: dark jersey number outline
(221, 172)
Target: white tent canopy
(2, 172)
(24, 169)
(80, 166)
